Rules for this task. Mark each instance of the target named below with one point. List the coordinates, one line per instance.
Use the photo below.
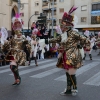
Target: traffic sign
(42, 21)
(42, 17)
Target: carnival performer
(14, 48)
(34, 43)
(88, 48)
(98, 42)
(69, 57)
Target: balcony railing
(55, 3)
(45, 0)
(15, 0)
(45, 5)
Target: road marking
(36, 68)
(80, 71)
(7, 70)
(95, 80)
(20, 67)
(2, 67)
(46, 73)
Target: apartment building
(60, 6)
(88, 14)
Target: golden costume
(70, 57)
(14, 49)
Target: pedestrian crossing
(48, 68)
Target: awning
(95, 13)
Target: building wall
(34, 8)
(25, 11)
(5, 13)
(30, 8)
(86, 13)
(66, 5)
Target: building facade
(8, 8)
(87, 14)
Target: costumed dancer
(3, 39)
(88, 48)
(14, 49)
(70, 57)
(34, 43)
(98, 42)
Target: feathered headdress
(16, 22)
(67, 17)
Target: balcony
(52, 0)
(45, 8)
(55, 3)
(15, 0)
(45, 5)
(45, 0)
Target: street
(46, 81)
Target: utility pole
(49, 13)
(52, 16)
(19, 6)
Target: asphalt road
(45, 82)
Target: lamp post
(29, 22)
(52, 17)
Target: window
(83, 19)
(36, 12)
(61, 10)
(22, 14)
(84, 8)
(36, 3)
(61, 0)
(21, 6)
(95, 19)
(95, 7)
(60, 20)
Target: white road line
(7, 70)
(95, 80)
(2, 67)
(46, 73)
(36, 68)
(20, 67)
(80, 71)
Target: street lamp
(52, 17)
(29, 21)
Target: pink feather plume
(17, 15)
(72, 9)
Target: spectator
(33, 25)
(39, 50)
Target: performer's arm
(55, 40)
(83, 40)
